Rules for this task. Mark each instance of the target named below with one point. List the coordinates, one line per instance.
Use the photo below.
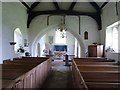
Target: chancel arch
(51, 27)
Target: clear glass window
(112, 37)
(18, 39)
(60, 37)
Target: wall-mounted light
(12, 43)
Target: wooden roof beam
(95, 5)
(25, 4)
(34, 5)
(34, 14)
(61, 12)
(56, 5)
(105, 3)
(72, 5)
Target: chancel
(67, 44)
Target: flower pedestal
(21, 55)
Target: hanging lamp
(62, 26)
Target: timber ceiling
(74, 7)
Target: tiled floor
(60, 77)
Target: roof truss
(24, 3)
(34, 5)
(95, 5)
(72, 5)
(56, 5)
(32, 14)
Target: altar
(59, 54)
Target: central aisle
(60, 77)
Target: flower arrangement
(21, 49)
(109, 49)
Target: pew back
(97, 73)
(24, 73)
(98, 68)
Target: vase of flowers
(109, 49)
(21, 50)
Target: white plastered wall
(0, 32)
(0, 43)
(14, 16)
(38, 28)
(109, 16)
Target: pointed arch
(40, 34)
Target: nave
(36, 29)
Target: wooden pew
(21, 65)
(103, 85)
(6, 83)
(78, 78)
(27, 60)
(13, 73)
(100, 73)
(41, 59)
(34, 58)
(32, 78)
(34, 61)
(30, 58)
(17, 66)
(23, 62)
(80, 62)
(98, 67)
(94, 59)
(101, 76)
(97, 71)
(5, 61)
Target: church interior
(67, 44)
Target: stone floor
(60, 77)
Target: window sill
(114, 52)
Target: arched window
(60, 37)
(112, 38)
(17, 39)
(115, 39)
